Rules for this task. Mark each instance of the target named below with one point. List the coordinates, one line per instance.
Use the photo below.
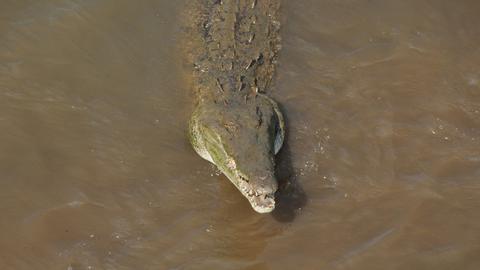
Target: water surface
(382, 159)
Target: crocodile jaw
(262, 199)
(263, 203)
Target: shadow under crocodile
(290, 196)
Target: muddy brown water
(382, 100)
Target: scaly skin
(234, 46)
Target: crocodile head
(241, 140)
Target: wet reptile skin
(234, 46)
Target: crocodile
(234, 46)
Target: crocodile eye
(259, 117)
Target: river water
(381, 168)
